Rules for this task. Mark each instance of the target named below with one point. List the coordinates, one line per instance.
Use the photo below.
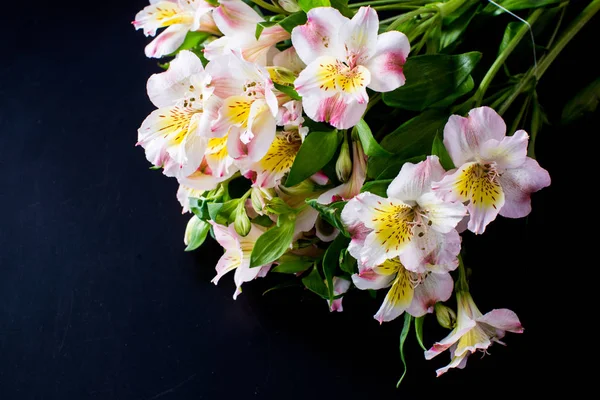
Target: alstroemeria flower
(411, 223)
(415, 293)
(348, 190)
(237, 255)
(474, 331)
(237, 20)
(249, 108)
(343, 58)
(174, 136)
(278, 160)
(180, 16)
(340, 286)
(494, 174)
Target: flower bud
(305, 187)
(260, 197)
(343, 165)
(195, 233)
(446, 317)
(241, 223)
(289, 5)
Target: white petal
(359, 35)
(168, 41)
(510, 152)
(415, 179)
(235, 16)
(319, 36)
(518, 184)
(387, 62)
(434, 288)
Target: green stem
(270, 7)
(406, 16)
(461, 284)
(489, 76)
(548, 58)
(395, 7)
(383, 2)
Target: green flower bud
(260, 197)
(289, 5)
(195, 233)
(445, 316)
(343, 165)
(241, 223)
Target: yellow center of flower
(282, 153)
(393, 225)
(175, 124)
(479, 184)
(338, 76)
(167, 13)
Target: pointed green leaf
(585, 101)
(314, 282)
(331, 213)
(342, 7)
(403, 335)
(331, 260)
(419, 331)
(287, 90)
(377, 187)
(316, 150)
(513, 5)
(292, 21)
(370, 145)
(293, 267)
(307, 5)
(192, 39)
(348, 263)
(274, 242)
(431, 78)
(438, 149)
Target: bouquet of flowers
(350, 145)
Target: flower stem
(406, 16)
(270, 7)
(461, 284)
(548, 58)
(383, 2)
(489, 76)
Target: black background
(98, 300)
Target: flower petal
(277, 161)
(397, 299)
(415, 179)
(463, 137)
(453, 337)
(433, 288)
(319, 36)
(235, 16)
(369, 279)
(510, 152)
(503, 319)
(518, 184)
(289, 59)
(457, 362)
(262, 127)
(430, 250)
(359, 35)
(336, 110)
(443, 216)
(387, 61)
(479, 186)
(167, 42)
(157, 15)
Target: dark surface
(98, 300)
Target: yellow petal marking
(479, 185)
(237, 110)
(402, 291)
(393, 225)
(281, 154)
(340, 77)
(175, 125)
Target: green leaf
(403, 335)
(261, 26)
(377, 187)
(292, 267)
(419, 331)
(331, 260)
(316, 150)
(278, 206)
(195, 233)
(199, 207)
(453, 30)
(395, 165)
(287, 90)
(307, 5)
(342, 7)
(513, 5)
(370, 145)
(223, 213)
(348, 263)
(412, 138)
(585, 101)
(192, 39)
(331, 213)
(464, 88)
(314, 282)
(438, 149)
(290, 283)
(509, 34)
(274, 242)
(155, 168)
(263, 220)
(431, 78)
(292, 21)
